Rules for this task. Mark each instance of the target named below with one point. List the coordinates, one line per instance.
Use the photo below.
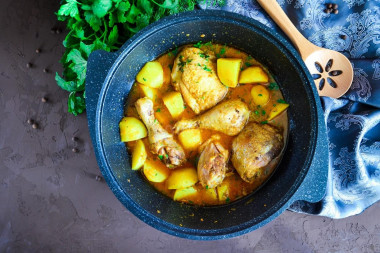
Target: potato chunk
(138, 155)
(191, 139)
(260, 95)
(174, 102)
(131, 129)
(155, 171)
(184, 193)
(149, 92)
(210, 194)
(152, 75)
(223, 191)
(228, 71)
(253, 74)
(276, 110)
(182, 178)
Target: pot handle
(98, 64)
(313, 188)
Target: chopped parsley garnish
(158, 110)
(248, 64)
(249, 57)
(227, 199)
(264, 122)
(208, 44)
(206, 186)
(263, 112)
(174, 52)
(205, 56)
(161, 157)
(206, 68)
(273, 86)
(260, 95)
(281, 101)
(144, 79)
(198, 45)
(256, 112)
(221, 52)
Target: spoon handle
(275, 11)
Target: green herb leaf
(101, 7)
(113, 36)
(66, 85)
(69, 9)
(76, 104)
(281, 101)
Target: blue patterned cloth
(353, 120)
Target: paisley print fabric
(353, 121)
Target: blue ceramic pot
(302, 173)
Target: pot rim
(109, 176)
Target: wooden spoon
(332, 71)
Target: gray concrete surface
(50, 200)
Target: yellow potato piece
(138, 155)
(191, 139)
(152, 75)
(222, 191)
(276, 110)
(260, 95)
(210, 194)
(149, 92)
(174, 102)
(155, 171)
(131, 129)
(182, 178)
(228, 71)
(253, 74)
(184, 193)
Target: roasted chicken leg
(228, 117)
(212, 164)
(254, 148)
(161, 142)
(194, 75)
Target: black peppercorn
(329, 6)
(45, 70)
(75, 150)
(35, 126)
(44, 99)
(98, 178)
(74, 138)
(335, 6)
(343, 36)
(38, 51)
(335, 11)
(52, 30)
(29, 65)
(58, 31)
(29, 121)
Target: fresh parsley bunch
(106, 25)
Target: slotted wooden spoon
(332, 71)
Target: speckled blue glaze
(302, 173)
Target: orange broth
(237, 188)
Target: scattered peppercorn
(329, 6)
(35, 126)
(44, 99)
(52, 30)
(74, 138)
(335, 6)
(335, 11)
(58, 31)
(29, 65)
(29, 121)
(98, 178)
(343, 36)
(38, 51)
(75, 150)
(45, 70)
